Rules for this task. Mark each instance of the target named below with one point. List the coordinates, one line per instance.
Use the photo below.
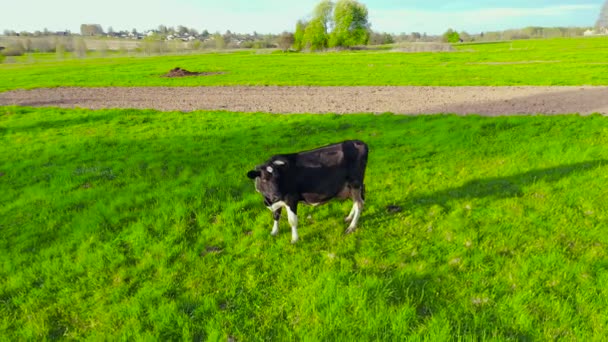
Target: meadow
(575, 61)
(141, 225)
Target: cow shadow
(495, 187)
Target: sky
(275, 16)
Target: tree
(182, 30)
(298, 36)
(316, 33)
(285, 40)
(466, 37)
(451, 36)
(344, 23)
(381, 38)
(351, 26)
(322, 12)
(90, 30)
(220, 43)
(315, 37)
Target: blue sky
(274, 16)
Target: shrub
(13, 49)
(42, 45)
(381, 38)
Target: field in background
(124, 224)
(577, 61)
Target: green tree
(315, 36)
(344, 23)
(298, 36)
(351, 26)
(323, 12)
(451, 36)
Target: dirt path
(400, 100)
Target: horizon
(271, 16)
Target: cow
(313, 177)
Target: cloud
(529, 12)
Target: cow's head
(267, 178)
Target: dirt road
(400, 100)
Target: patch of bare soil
(179, 72)
(489, 101)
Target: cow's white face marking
(269, 169)
(278, 162)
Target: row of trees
(340, 24)
(531, 32)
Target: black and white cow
(313, 177)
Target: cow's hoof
(348, 219)
(349, 230)
(273, 233)
(294, 241)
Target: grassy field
(580, 61)
(123, 224)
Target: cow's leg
(357, 208)
(351, 214)
(292, 217)
(276, 215)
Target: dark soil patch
(211, 249)
(393, 209)
(179, 72)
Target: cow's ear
(253, 174)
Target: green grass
(580, 61)
(124, 224)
